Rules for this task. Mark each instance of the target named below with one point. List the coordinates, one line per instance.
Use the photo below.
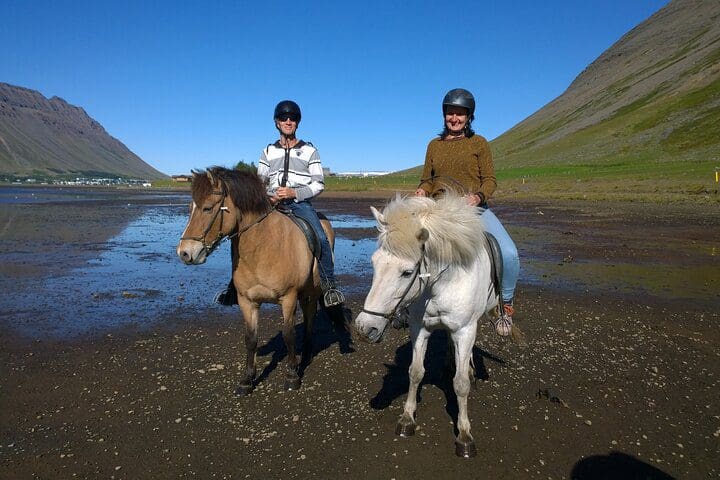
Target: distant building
(363, 174)
(181, 178)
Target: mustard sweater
(467, 160)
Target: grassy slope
(597, 141)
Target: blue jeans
(306, 211)
(511, 260)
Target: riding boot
(228, 296)
(331, 295)
(504, 321)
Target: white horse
(432, 261)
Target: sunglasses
(288, 116)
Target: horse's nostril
(373, 334)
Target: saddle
(496, 263)
(310, 235)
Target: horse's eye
(407, 273)
(207, 209)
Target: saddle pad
(310, 235)
(496, 262)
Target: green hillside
(640, 122)
(646, 114)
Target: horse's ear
(211, 177)
(379, 217)
(422, 235)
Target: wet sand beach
(130, 373)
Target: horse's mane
(455, 229)
(245, 189)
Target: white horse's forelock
(455, 229)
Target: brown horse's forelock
(245, 189)
(201, 188)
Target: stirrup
(333, 297)
(503, 324)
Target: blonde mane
(455, 229)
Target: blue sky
(190, 84)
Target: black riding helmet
(287, 108)
(460, 98)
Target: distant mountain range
(40, 136)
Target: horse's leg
(449, 367)
(309, 309)
(288, 304)
(464, 340)
(406, 424)
(251, 312)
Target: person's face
(287, 125)
(455, 119)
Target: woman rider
(460, 155)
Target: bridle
(416, 274)
(208, 248)
(202, 238)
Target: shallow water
(135, 277)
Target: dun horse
(431, 259)
(272, 262)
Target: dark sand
(621, 315)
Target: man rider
(292, 171)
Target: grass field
(657, 182)
(690, 181)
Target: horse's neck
(266, 230)
(453, 279)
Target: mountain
(43, 136)
(650, 103)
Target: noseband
(416, 273)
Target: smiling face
(456, 118)
(287, 125)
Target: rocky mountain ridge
(52, 137)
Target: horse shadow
(328, 329)
(437, 373)
(616, 466)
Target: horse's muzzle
(190, 254)
(370, 328)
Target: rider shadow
(616, 466)
(326, 332)
(396, 382)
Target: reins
(247, 227)
(460, 187)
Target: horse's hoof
(405, 429)
(465, 450)
(243, 390)
(292, 383)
